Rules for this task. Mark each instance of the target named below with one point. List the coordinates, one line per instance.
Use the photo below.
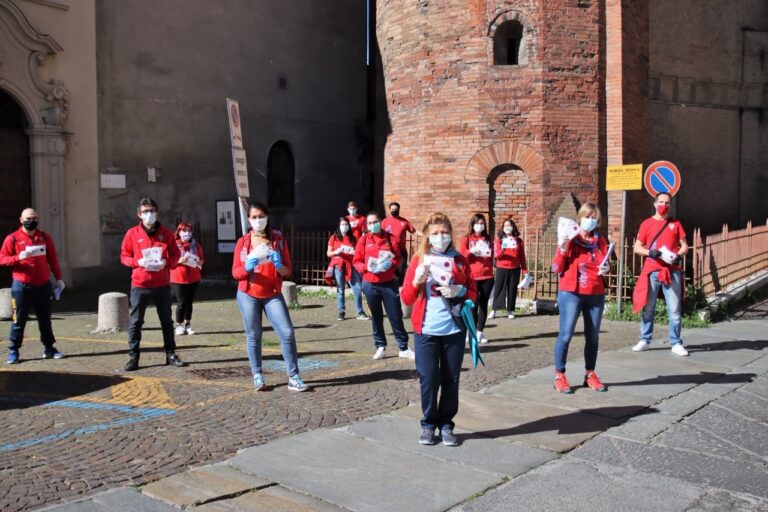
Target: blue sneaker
(296, 384)
(258, 382)
(52, 354)
(13, 357)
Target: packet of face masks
(566, 228)
(525, 283)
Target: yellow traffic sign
(624, 177)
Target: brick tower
(492, 106)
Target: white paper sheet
(667, 255)
(566, 228)
(36, 250)
(525, 283)
(440, 268)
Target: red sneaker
(561, 383)
(591, 380)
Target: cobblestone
(79, 425)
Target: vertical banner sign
(238, 160)
(623, 177)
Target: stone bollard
(113, 312)
(291, 294)
(6, 308)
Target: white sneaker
(379, 353)
(641, 346)
(180, 330)
(492, 314)
(189, 329)
(482, 338)
(407, 353)
(511, 316)
(679, 350)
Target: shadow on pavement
(570, 423)
(693, 378)
(21, 389)
(497, 345)
(728, 345)
(366, 378)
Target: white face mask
(508, 230)
(587, 224)
(149, 218)
(479, 228)
(343, 228)
(186, 236)
(352, 211)
(258, 225)
(440, 241)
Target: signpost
(239, 161)
(623, 177)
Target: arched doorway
(507, 195)
(15, 182)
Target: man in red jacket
(150, 250)
(398, 227)
(31, 255)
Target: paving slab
(689, 437)
(359, 474)
(743, 330)
(510, 459)
(577, 486)
(203, 484)
(644, 428)
(123, 499)
(540, 391)
(759, 365)
(745, 404)
(757, 388)
(545, 427)
(272, 499)
(699, 469)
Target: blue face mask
(375, 227)
(588, 224)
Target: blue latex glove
(384, 266)
(251, 263)
(277, 259)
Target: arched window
(508, 47)
(280, 176)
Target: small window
(280, 176)
(508, 44)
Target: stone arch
(528, 44)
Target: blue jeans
(673, 297)
(386, 294)
(438, 362)
(354, 283)
(26, 297)
(251, 310)
(571, 305)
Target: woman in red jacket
(437, 276)
(186, 277)
(581, 290)
(341, 249)
(260, 263)
(476, 247)
(510, 264)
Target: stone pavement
(79, 426)
(687, 434)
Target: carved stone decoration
(38, 48)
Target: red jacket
(34, 270)
(136, 239)
(416, 296)
(481, 267)
(265, 281)
(344, 259)
(398, 226)
(369, 246)
(184, 274)
(578, 266)
(509, 258)
(357, 225)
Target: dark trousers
(505, 288)
(401, 268)
(386, 294)
(24, 298)
(140, 298)
(480, 313)
(185, 294)
(438, 362)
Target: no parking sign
(662, 177)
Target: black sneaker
(132, 365)
(341, 317)
(174, 360)
(448, 437)
(427, 436)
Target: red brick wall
(454, 116)
(508, 196)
